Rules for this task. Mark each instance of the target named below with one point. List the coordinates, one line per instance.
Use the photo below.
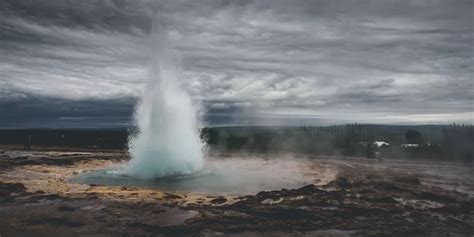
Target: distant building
(376, 144)
(409, 145)
(374, 149)
(380, 144)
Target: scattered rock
(93, 208)
(51, 196)
(55, 221)
(219, 200)
(272, 201)
(408, 180)
(9, 188)
(343, 182)
(158, 211)
(172, 196)
(66, 208)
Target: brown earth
(363, 198)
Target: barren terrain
(347, 197)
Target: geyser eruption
(167, 142)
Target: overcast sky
(84, 63)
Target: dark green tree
(413, 137)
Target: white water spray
(167, 143)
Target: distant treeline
(428, 141)
(82, 138)
(424, 141)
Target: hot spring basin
(240, 176)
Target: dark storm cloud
(366, 61)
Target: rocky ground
(363, 198)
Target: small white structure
(380, 144)
(409, 145)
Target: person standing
(28, 141)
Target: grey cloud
(377, 61)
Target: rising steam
(167, 142)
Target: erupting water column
(167, 143)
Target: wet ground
(40, 196)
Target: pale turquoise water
(227, 176)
